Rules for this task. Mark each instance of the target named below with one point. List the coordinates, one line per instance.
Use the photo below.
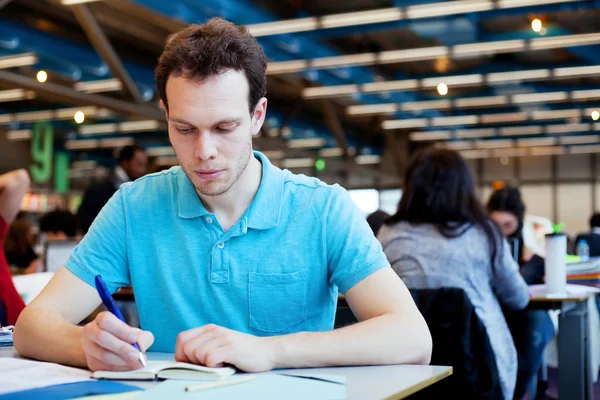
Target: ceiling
(511, 91)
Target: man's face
(136, 167)
(211, 128)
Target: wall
(562, 188)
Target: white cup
(556, 263)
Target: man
(592, 238)
(232, 260)
(132, 165)
(13, 186)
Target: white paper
(30, 285)
(17, 374)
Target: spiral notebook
(168, 370)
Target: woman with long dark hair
(442, 237)
(532, 330)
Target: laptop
(57, 252)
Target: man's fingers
(111, 343)
(110, 323)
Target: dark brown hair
(201, 51)
(18, 237)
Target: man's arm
(13, 186)
(47, 329)
(391, 331)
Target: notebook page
(17, 374)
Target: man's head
(211, 81)
(59, 225)
(595, 221)
(134, 161)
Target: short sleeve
(103, 249)
(353, 252)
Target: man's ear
(164, 108)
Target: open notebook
(168, 370)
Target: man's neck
(231, 205)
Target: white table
(575, 380)
(364, 383)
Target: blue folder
(70, 391)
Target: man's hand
(214, 346)
(107, 344)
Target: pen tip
(142, 359)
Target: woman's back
(426, 259)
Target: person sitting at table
(592, 238)
(18, 246)
(59, 225)
(231, 259)
(13, 186)
(440, 237)
(532, 330)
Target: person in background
(18, 246)
(532, 330)
(592, 238)
(441, 237)
(132, 165)
(13, 186)
(59, 225)
(376, 219)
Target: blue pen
(112, 307)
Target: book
(168, 370)
(6, 333)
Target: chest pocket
(277, 301)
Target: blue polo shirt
(276, 271)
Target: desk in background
(390, 382)
(575, 376)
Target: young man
(13, 186)
(232, 260)
(132, 165)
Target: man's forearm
(45, 335)
(387, 339)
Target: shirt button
(221, 245)
(209, 220)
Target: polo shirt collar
(265, 209)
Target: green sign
(42, 153)
(320, 164)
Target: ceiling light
(18, 60)
(455, 120)
(447, 8)
(457, 80)
(166, 161)
(105, 85)
(595, 115)
(475, 133)
(585, 94)
(404, 123)
(539, 97)
(576, 71)
(329, 91)
(160, 151)
(139, 126)
(425, 53)
(298, 163)
(283, 67)
(442, 89)
(516, 76)
(41, 76)
(287, 26)
(429, 136)
(585, 149)
(331, 152)
(367, 159)
(587, 139)
(81, 144)
(79, 117)
(16, 94)
(361, 17)
(488, 48)
(371, 109)
(97, 129)
(343, 61)
(22, 134)
(72, 2)
(536, 25)
(305, 143)
(567, 128)
(426, 105)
